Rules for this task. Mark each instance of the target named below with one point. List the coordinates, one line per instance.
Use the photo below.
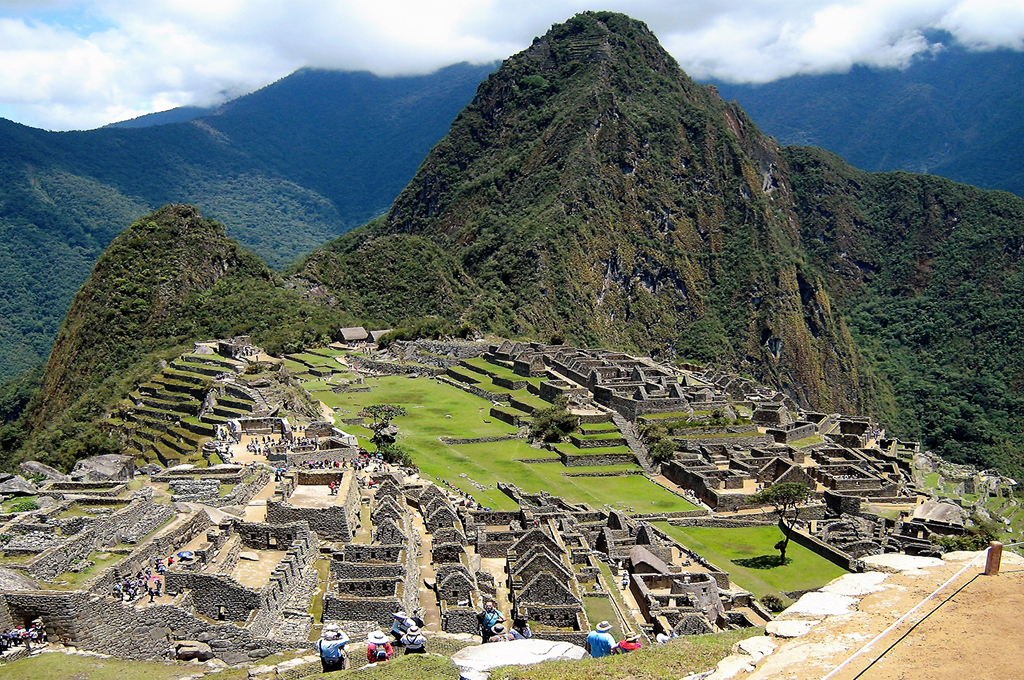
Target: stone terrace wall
(140, 515)
(109, 627)
(161, 546)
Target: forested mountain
(952, 112)
(171, 278)
(593, 189)
(285, 168)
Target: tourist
(663, 637)
(600, 642)
(413, 641)
(521, 629)
(630, 644)
(331, 647)
(499, 634)
(488, 619)
(378, 648)
(400, 624)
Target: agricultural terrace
(429, 402)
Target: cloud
(82, 63)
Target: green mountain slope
(171, 278)
(928, 273)
(286, 168)
(594, 189)
(953, 112)
(591, 188)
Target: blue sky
(78, 64)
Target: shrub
(773, 603)
(553, 423)
(25, 506)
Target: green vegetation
(171, 278)
(748, 555)
(72, 667)
(281, 173)
(942, 114)
(785, 498)
(487, 464)
(554, 422)
(671, 661)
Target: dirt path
(969, 630)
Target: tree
(554, 422)
(784, 498)
(380, 416)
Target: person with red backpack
(378, 648)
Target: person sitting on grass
(331, 647)
(500, 634)
(631, 643)
(521, 629)
(378, 648)
(413, 641)
(600, 642)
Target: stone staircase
(634, 443)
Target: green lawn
(722, 547)
(429, 401)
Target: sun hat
(376, 637)
(332, 626)
(330, 635)
(400, 615)
(632, 637)
(604, 627)
(499, 629)
(414, 629)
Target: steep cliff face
(592, 188)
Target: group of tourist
(405, 631)
(493, 628)
(144, 583)
(22, 637)
(600, 642)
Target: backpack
(380, 653)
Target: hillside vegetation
(593, 190)
(171, 278)
(285, 168)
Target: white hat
(414, 629)
(330, 635)
(332, 627)
(376, 637)
(400, 615)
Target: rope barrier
(900, 620)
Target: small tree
(554, 422)
(380, 416)
(785, 499)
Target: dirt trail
(968, 630)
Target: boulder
(15, 580)
(476, 661)
(31, 468)
(186, 650)
(111, 467)
(18, 486)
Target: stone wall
(822, 549)
(106, 626)
(587, 459)
(191, 490)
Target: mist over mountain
(285, 168)
(953, 112)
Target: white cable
(900, 620)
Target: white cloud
(82, 63)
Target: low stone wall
(243, 493)
(504, 416)
(339, 455)
(744, 441)
(581, 443)
(724, 523)
(596, 459)
(389, 368)
(474, 390)
(452, 441)
(822, 549)
(624, 473)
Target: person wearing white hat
(378, 648)
(331, 647)
(400, 623)
(600, 642)
(413, 641)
